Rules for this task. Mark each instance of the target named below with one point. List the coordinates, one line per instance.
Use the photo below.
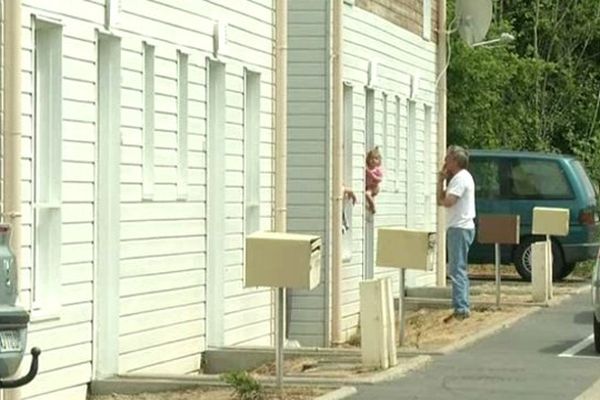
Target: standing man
(459, 199)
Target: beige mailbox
(284, 260)
(550, 221)
(405, 248)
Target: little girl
(373, 176)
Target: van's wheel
(596, 334)
(566, 271)
(522, 258)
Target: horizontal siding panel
(180, 366)
(155, 283)
(61, 337)
(156, 337)
(155, 319)
(156, 355)
(155, 265)
(161, 301)
(56, 380)
(161, 211)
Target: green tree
(541, 92)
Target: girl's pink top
(373, 176)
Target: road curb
(341, 393)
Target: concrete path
(520, 362)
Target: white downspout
(12, 137)
(12, 125)
(281, 117)
(281, 67)
(441, 89)
(337, 132)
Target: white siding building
(147, 155)
(389, 101)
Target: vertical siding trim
(328, 159)
(427, 167)
(252, 151)
(106, 301)
(411, 144)
(182, 125)
(215, 213)
(384, 128)
(148, 128)
(398, 118)
(427, 9)
(369, 235)
(348, 155)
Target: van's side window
(486, 176)
(539, 179)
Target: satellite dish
(474, 18)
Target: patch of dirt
(427, 330)
(432, 329)
(216, 394)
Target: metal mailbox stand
(497, 272)
(401, 311)
(389, 242)
(282, 260)
(280, 329)
(498, 229)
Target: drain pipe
(281, 117)
(441, 90)
(337, 170)
(12, 137)
(281, 57)
(12, 125)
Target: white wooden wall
(162, 307)
(398, 54)
(308, 121)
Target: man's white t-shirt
(461, 214)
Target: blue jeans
(458, 241)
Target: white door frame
(369, 220)
(215, 203)
(106, 267)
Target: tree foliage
(540, 92)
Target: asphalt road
(520, 362)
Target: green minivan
(512, 182)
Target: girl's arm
(376, 174)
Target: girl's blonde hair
(374, 152)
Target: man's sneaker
(462, 315)
(459, 316)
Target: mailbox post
(282, 261)
(498, 229)
(404, 248)
(549, 221)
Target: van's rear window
(583, 176)
(539, 179)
